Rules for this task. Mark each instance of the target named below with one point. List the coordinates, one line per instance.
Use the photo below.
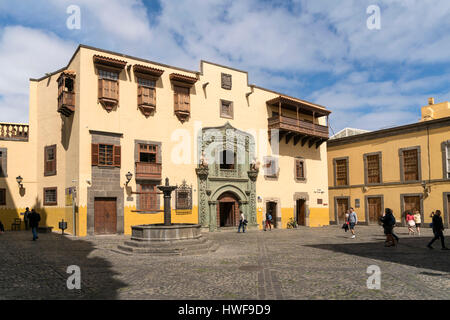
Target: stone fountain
(167, 238)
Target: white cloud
(26, 53)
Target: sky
(317, 50)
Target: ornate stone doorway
(226, 177)
(228, 210)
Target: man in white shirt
(352, 221)
(242, 222)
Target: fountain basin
(161, 232)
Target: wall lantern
(129, 175)
(426, 189)
(19, 180)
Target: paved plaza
(303, 263)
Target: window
(447, 152)
(2, 197)
(410, 165)
(148, 197)
(66, 93)
(319, 201)
(3, 162)
(106, 155)
(341, 172)
(147, 153)
(299, 169)
(270, 166)
(183, 196)
(226, 81)
(108, 88)
(226, 109)
(50, 160)
(50, 196)
(373, 168)
(146, 92)
(109, 75)
(227, 159)
(181, 99)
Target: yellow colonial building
(108, 128)
(401, 168)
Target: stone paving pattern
(303, 263)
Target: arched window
(227, 159)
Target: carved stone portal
(218, 172)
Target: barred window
(270, 166)
(448, 160)
(373, 168)
(226, 109)
(341, 172)
(299, 169)
(226, 81)
(50, 196)
(105, 154)
(183, 196)
(410, 165)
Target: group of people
(31, 220)
(413, 219)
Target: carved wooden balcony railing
(300, 130)
(14, 132)
(66, 103)
(148, 170)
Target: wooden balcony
(299, 130)
(148, 170)
(66, 103)
(14, 132)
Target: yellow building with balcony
(106, 129)
(402, 168)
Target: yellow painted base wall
(318, 217)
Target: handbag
(245, 221)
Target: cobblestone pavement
(304, 263)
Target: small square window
(226, 81)
(226, 109)
(50, 196)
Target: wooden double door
(374, 209)
(228, 210)
(342, 205)
(105, 215)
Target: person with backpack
(388, 221)
(438, 230)
(268, 221)
(2, 227)
(34, 218)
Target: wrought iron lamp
(19, 180)
(129, 175)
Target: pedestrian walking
(345, 225)
(268, 221)
(410, 222)
(352, 221)
(438, 230)
(26, 220)
(388, 221)
(34, 218)
(417, 220)
(2, 228)
(242, 223)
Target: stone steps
(180, 248)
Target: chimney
(430, 101)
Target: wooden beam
(297, 138)
(318, 143)
(281, 134)
(289, 136)
(311, 142)
(306, 138)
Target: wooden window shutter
(54, 160)
(373, 169)
(187, 97)
(100, 88)
(175, 98)
(94, 154)
(117, 151)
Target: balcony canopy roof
(110, 62)
(154, 72)
(183, 79)
(294, 103)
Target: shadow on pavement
(38, 269)
(410, 251)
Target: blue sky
(318, 50)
